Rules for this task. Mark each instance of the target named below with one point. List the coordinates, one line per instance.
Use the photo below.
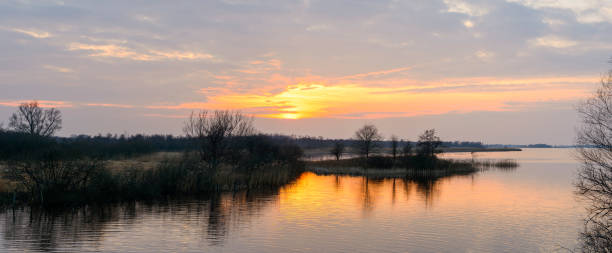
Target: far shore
(388, 173)
(457, 149)
(317, 152)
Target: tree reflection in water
(84, 227)
(209, 219)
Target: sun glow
(287, 116)
(312, 100)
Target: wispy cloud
(145, 18)
(586, 11)
(41, 103)
(376, 73)
(463, 7)
(109, 105)
(30, 32)
(58, 69)
(484, 54)
(305, 100)
(191, 106)
(167, 116)
(553, 41)
(116, 51)
(318, 28)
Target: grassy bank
(405, 166)
(150, 177)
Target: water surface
(532, 208)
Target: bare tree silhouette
(367, 139)
(337, 150)
(32, 119)
(594, 138)
(428, 142)
(394, 146)
(212, 132)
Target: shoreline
(395, 172)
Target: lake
(532, 208)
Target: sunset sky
(492, 71)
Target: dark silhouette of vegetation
(337, 150)
(428, 143)
(220, 152)
(394, 146)
(312, 142)
(367, 139)
(213, 132)
(54, 175)
(47, 178)
(407, 149)
(595, 177)
(22, 145)
(32, 119)
(56, 170)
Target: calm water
(529, 209)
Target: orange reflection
(319, 196)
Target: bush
(380, 162)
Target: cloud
(390, 44)
(271, 63)
(318, 28)
(586, 11)
(318, 100)
(167, 116)
(376, 73)
(41, 103)
(58, 69)
(553, 22)
(468, 24)
(191, 105)
(33, 33)
(459, 6)
(116, 51)
(109, 105)
(145, 19)
(484, 54)
(553, 41)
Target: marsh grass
(154, 178)
(499, 164)
(383, 166)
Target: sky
(509, 71)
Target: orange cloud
(110, 105)
(41, 103)
(115, 51)
(376, 73)
(32, 33)
(194, 106)
(306, 100)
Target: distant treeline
(310, 142)
(110, 146)
(539, 145)
(15, 144)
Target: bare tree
(428, 142)
(213, 132)
(337, 150)
(367, 139)
(407, 149)
(51, 176)
(32, 119)
(394, 146)
(594, 139)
